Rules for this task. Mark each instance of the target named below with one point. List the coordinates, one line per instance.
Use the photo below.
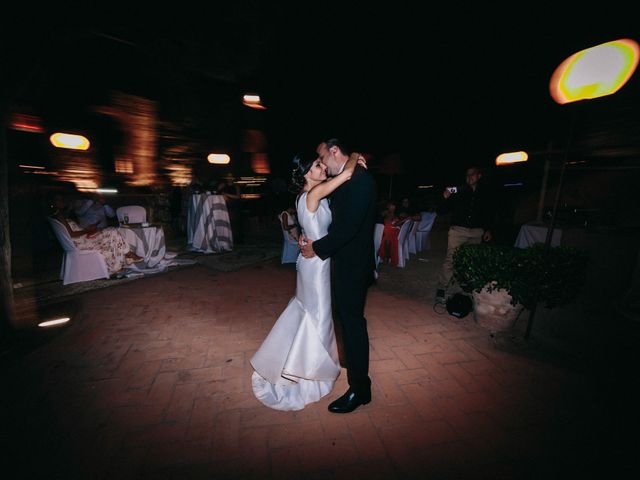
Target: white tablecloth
(208, 226)
(146, 242)
(535, 232)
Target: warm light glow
(55, 322)
(219, 158)
(253, 101)
(124, 166)
(71, 141)
(250, 180)
(137, 156)
(85, 184)
(106, 190)
(35, 167)
(511, 157)
(425, 186)
(26, 123)
(595, 72)
(260, 163)
(179, 174)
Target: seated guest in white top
(93, 211)
(289, 223)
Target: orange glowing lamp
(253, 101)
(595, 72)
(70, 141)
(511, 157)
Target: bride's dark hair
(301, 165)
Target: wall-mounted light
(511, 157)
(57, 322)
(26, 123)
(218, 158)
(253, 101)
(32, 167)
(70, 141)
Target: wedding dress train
(297, 363)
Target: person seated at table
(108, 241)
(388, 251)
(406, 210)
(289, 223)
(93, 211)
(195, 186)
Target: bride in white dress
(298, 362)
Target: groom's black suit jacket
(349, 241)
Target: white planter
(493, 310)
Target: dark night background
(432, 91)
(425, 90)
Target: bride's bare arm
(325, 189)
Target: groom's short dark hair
(334, 142)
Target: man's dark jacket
(471, 209)
(349, 241)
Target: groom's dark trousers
(349, 243)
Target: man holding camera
(471, 218)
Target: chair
(403, 242)
(424, 227)
(77, 265)
(136, 214)
(290, 249)
(411, 238)
(377, 240)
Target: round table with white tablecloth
(536, 232)
(208, 225)
(147, 241)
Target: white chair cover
(77, 265)
(427, 220)
(403, 242)
(411, 238)
(377, 240)
(136, 214)
(290, 249)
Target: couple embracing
(297, 363)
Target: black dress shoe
(349, 402)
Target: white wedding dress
(298, 362)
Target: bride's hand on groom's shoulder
(359, 159)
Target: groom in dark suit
(349, 243)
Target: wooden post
(543, 190)
(6, 283)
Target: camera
(452, 189)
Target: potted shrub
(504, 280)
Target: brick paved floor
(152, 380)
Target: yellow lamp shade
(219, 158)
(511, 157)
(595, 72)
(69, 140)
